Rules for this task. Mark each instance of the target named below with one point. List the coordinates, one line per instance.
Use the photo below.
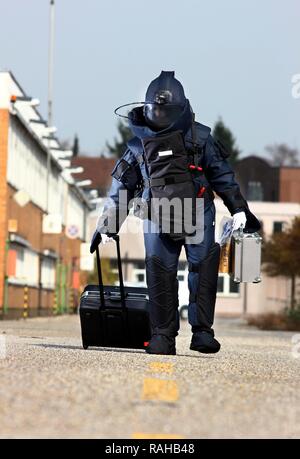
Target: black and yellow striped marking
(55, 308)
(25, 302)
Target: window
(182, 272)
(226, 286)
(220, 284)
(182, 265)
(113, 264)
(233, 286)
(48, 269)
(27, 266)
(139, 264)
(140, 277)
(255, 191)
(138, 272)
(278, 227)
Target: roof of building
(266, 161)
(97, 169)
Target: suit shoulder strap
(198, 134)
(202, 133)
(196, 139)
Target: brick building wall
(4, 120)
(39, 273)
(41, 301)
(289, 184)
(255, 170)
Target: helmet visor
(161, 116)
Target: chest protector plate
(173, 202)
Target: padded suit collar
(202, 133)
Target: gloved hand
(97, 238)
(239, 219)
(106, 238)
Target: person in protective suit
(164, 126)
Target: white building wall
(272, 294)
(27, 160)
(26, 167)
(75, 213)
(8, 87)
(27, 170)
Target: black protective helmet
(165, 101)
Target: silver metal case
(246, 257)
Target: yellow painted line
(153, 436)
(160, 390)
(161, 367)
(165, 390)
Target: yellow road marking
(165, 390)
(152, 436)
(161, 367)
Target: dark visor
(160, 116)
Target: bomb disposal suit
(173, 157)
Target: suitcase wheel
(85, 346)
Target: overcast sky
(235, 58)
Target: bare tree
(283, 155)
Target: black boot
(163, 297)
(161, 344)
(204, 342)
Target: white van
(183, 291)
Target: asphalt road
(50, 387)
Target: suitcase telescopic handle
(122, 289)
(100, 279)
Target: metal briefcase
(246, 251)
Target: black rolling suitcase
(114, 316)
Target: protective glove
(97, 238)
(239, 219)
(106, 238)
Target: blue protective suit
(130, 173)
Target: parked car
(183, 294)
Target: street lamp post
(50, 92)
(245, 305)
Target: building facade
(260, 181)
(43, 212)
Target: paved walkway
(51, 387)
